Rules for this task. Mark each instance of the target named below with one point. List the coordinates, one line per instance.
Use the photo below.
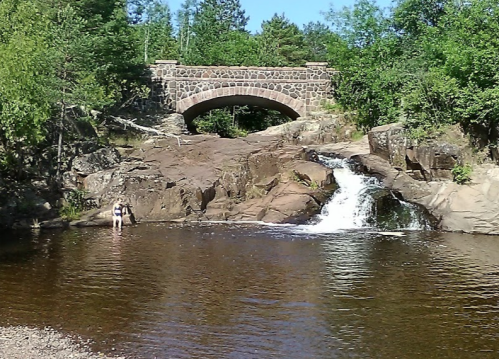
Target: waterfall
(353, 206)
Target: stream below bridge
(250, 291)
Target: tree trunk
(146, 44)
(59, 148)
(60, 126)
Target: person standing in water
(118, 214)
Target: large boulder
(317, 128)
(173, 123)
(429, 161)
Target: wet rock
(213, 178)
(54, 224)
(314, 174)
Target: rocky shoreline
(271, 176)
(28, 343)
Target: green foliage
(216, 35)
(316, 36)
(365, 52)
(219, 121)
(427, 63)
(238, 121)
(75, 204)
(254, 118)
(332, 107)
(155, 32)
(357, 135)
(430, 101)
(24, 109)
(462, 174)
(314, 185)
(281, 43)
(59, 59)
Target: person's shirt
(117, 210)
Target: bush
(75, 204)
(462, 174)
(218, 121)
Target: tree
(411, 18)
(281, 43)
(73, 83)
(366, 52)
(24, 109)
(464, 85)
(216, 24)
(185, 18)
(317, 36)
(59, 59)
(156, 33)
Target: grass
(357, 135)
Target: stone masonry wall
(173, 83)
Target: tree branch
(146, 129)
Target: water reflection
(253, 292)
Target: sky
(298, 11)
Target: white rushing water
(351, 206)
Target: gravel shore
(28, 343)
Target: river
(242, 291)
(238, 290)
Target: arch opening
(237, 100)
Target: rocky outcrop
(267, 177)
(470, 208)
(173, 123)
(432, 160)
(98, 160)
(317, 128)
(258, 178)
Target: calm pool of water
(241, 291)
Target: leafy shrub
(218, 121)
(462, 174)
(75, 204)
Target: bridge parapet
(180, 85)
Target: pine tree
(215, 25)
(317, 36)
(155, 33)
(185, 18)
(73, 82)
(281, 43)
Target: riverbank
(271, 176)
(28, 343)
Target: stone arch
(204, 101)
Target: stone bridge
(193, 90)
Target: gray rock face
(314, 129)
(429, 162)
(99, 160)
